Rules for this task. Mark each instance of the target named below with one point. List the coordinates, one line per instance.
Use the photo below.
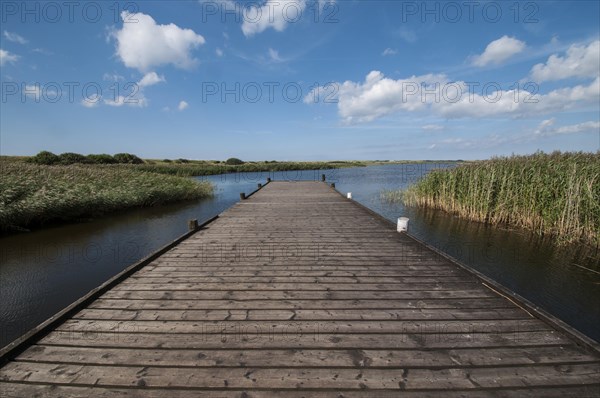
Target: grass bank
(204, 168)
(554, 194)
(33, 195)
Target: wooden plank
(246, 273)
(309, 378)
(297, 286)
(304, 327)
(477, 303)
(293, 338)
(19, 390)
(295, 279)
(296, 294)
(292, 358)
(258, 315)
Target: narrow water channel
(43, 271)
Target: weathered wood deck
(299, 292)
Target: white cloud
(15, 38)
(520, 104)
(389, 51)
(37, 92)
(378, 96)
(42, 51)
(91, 102)
(135, 96)
(579, 61)
(546, 128)
(183, 105)
(275, 14)
(219, 52)
(274, 55)
(499, 51)
(138, 101)
(7, 57)
(432, 127)
(33, 90)
(145, 44)
(113, 77)
(150, 79)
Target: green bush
(102, 158)
(166, 160)
(71, 158)
(234, 161)
(127, 158)
(45, 157)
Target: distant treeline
(184, 167)
(48, 158)
(204, 169)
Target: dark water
(44, 271)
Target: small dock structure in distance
(298, 291)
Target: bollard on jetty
(403, 224)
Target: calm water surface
(44, 271)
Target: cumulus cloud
(183, 105)
(389, 51)
(274, 14)
(136, 97)
(521, 103)
(379, 96)
(546, 128)
(7, 57)
(145, 44)
(15, 38)
(150, 79)
(499, 51)
(580, 61)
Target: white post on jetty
(403, 224)
(349, 195)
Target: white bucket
(349, 195)
(403, 224)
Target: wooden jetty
(299, 292)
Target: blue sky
(300, 79)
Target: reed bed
(196, 168)
(555, 194)
(33, 195)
